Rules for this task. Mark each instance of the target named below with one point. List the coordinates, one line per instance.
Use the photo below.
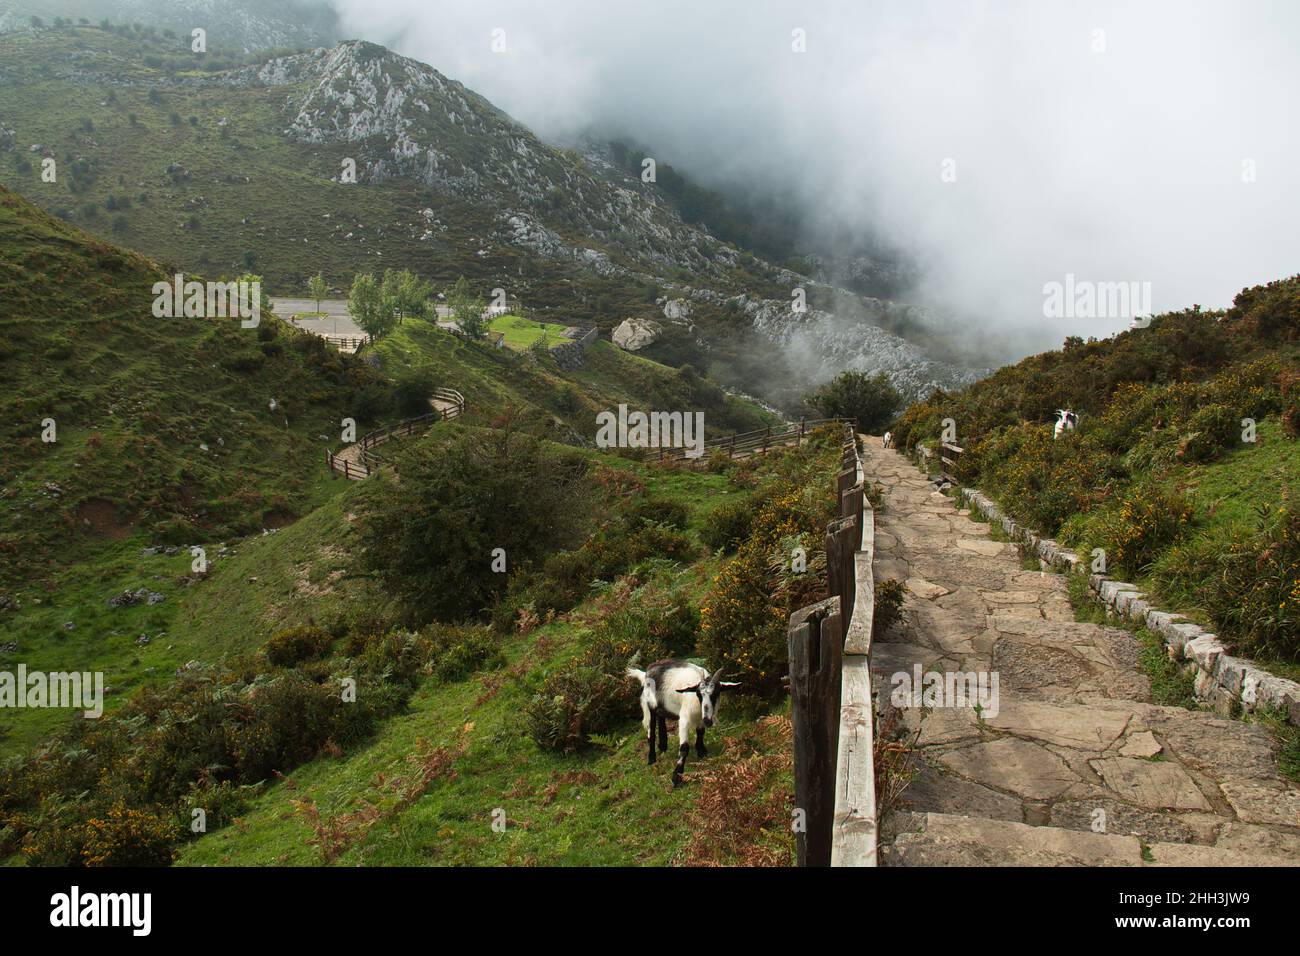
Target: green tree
(366, 303)
(317, 289)
(431, 538)
(466, 309)
(405, 292)
(871, 399)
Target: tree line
(378, 305)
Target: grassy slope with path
(135, 397)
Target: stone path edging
(1222, 680)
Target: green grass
(586, 809)
(1287, 736)
(520, 333)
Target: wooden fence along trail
(829, 646)
(360, 460)
(753, 442)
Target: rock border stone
(1221, 680)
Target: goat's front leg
(684, 736)
(700, 751)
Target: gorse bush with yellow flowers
(744, 616)
(1134, 529)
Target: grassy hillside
(492, 380)
(163, 425)
(454, 722)
(1185, 468)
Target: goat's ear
(689, 690)
(729, 683)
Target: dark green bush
(574, 703)
(659, 511)
(411, 395)
(457, 652)
(293, 645)
(729, 524)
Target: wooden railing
(948, 466)
(369, 461)
(832, 708)
(756, 441)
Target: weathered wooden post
(841, 544)
(814, 640)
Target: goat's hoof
(677, 781)
(701, 752)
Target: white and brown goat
(680, 689)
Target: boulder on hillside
(677, 310)
(632, 335)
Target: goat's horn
(716, 676)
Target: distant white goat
(1066, 421)
(888, 440)
(674, 688)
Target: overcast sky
(1115, 156)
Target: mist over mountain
(239, 26)
(1076, 138)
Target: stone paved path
(1075, 730)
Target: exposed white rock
(634, 334)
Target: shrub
(457, 652)
(871, 399)
(745, 613)
(1248, 583)
(1213, 428)
(729, 524)
(574, 703)
(1141, 523)
(293, 645)
(659, 511)
(888, 609)
(117, 836)
(412, 393)
(130, 837)
(430, 537)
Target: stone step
(942, 839)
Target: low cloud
(1149, 142)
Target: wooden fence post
(841, 545)
(814, 640)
